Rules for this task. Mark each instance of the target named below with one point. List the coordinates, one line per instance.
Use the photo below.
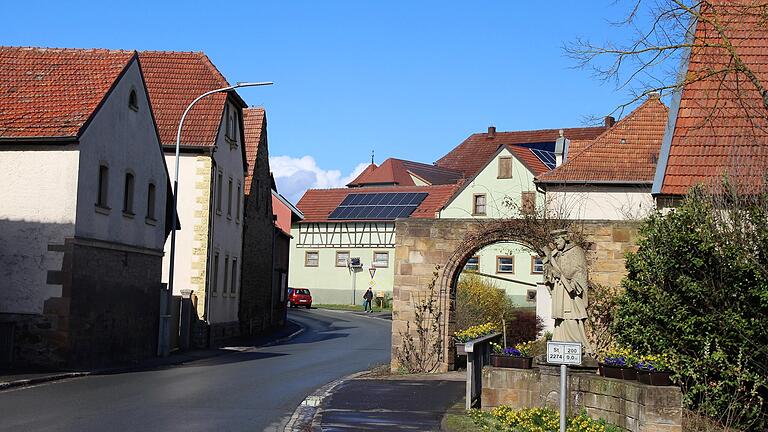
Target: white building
(83, 220)
(209, 246)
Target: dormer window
(133, 101)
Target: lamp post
(164, 345)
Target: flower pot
(511, 361)
(654, 378)
(460, 349)
(623, 373)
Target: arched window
(133, 102)
(128, 195)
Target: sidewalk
(20, 378)
(386, 315)
(392, 403)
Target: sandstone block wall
(424, 243)
(629, 404)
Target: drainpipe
(211, 226)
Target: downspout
(211, 225)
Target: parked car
(300, 297)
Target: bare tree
(663, 38)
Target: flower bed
(504, 418)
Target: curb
(125, 369)
(309, 414)
(40, 380)
(356, 314)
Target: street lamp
(165, 320)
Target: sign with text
(567, 353)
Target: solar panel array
(378, 206)
(546, 157)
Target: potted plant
(474, 332)
(653, 370)
(620, 364)
(518, 357)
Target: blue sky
(408, 79)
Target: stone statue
(565, 273)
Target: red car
(300, 297)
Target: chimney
(609, 121)
(491, 132)
(561, 149)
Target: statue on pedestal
(566, 277)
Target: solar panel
(377, 206)
(546, 157)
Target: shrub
(479, 301)
(697, 292)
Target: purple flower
(615, 361)
(514, 352)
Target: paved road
(242, 391)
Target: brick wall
(629, 404)
(424, 243)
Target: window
(128, 195)
(505, 167)
(311, 259)
(232, 127)
(473, 264)
(381, 259)
(342, 258)
(215, 273)
(101, 198)
(227, 131)
(530, 296)
(528, 203)
(505, 264)
(151, 201)
(537, 265)
(226, 273)
(229, 199)
(478, 205)
(133, 101)
(218, 192)
(239, 198)
(233, 288)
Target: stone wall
(631, 405)
(423, 244)
(108, 311)
(259, 308)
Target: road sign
(564, 353)
(372, 271)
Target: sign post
(564, 354)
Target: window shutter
(505, 167)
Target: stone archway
(422, 245)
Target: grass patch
(358, 308)
(456, 419)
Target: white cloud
(295, 175)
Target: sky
(405, 79)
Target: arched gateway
(430, 255)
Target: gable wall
(126, 140)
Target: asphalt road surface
(243, 391)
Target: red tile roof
(607, 159)
(318, 204)
(174, 80)
(471, 155)
(398, 172)
(530, 160)
(254, 122)
(52, 92)
(721, 127)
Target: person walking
(368, 296)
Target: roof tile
(52, 92)
(254, 120)
(721, 127)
